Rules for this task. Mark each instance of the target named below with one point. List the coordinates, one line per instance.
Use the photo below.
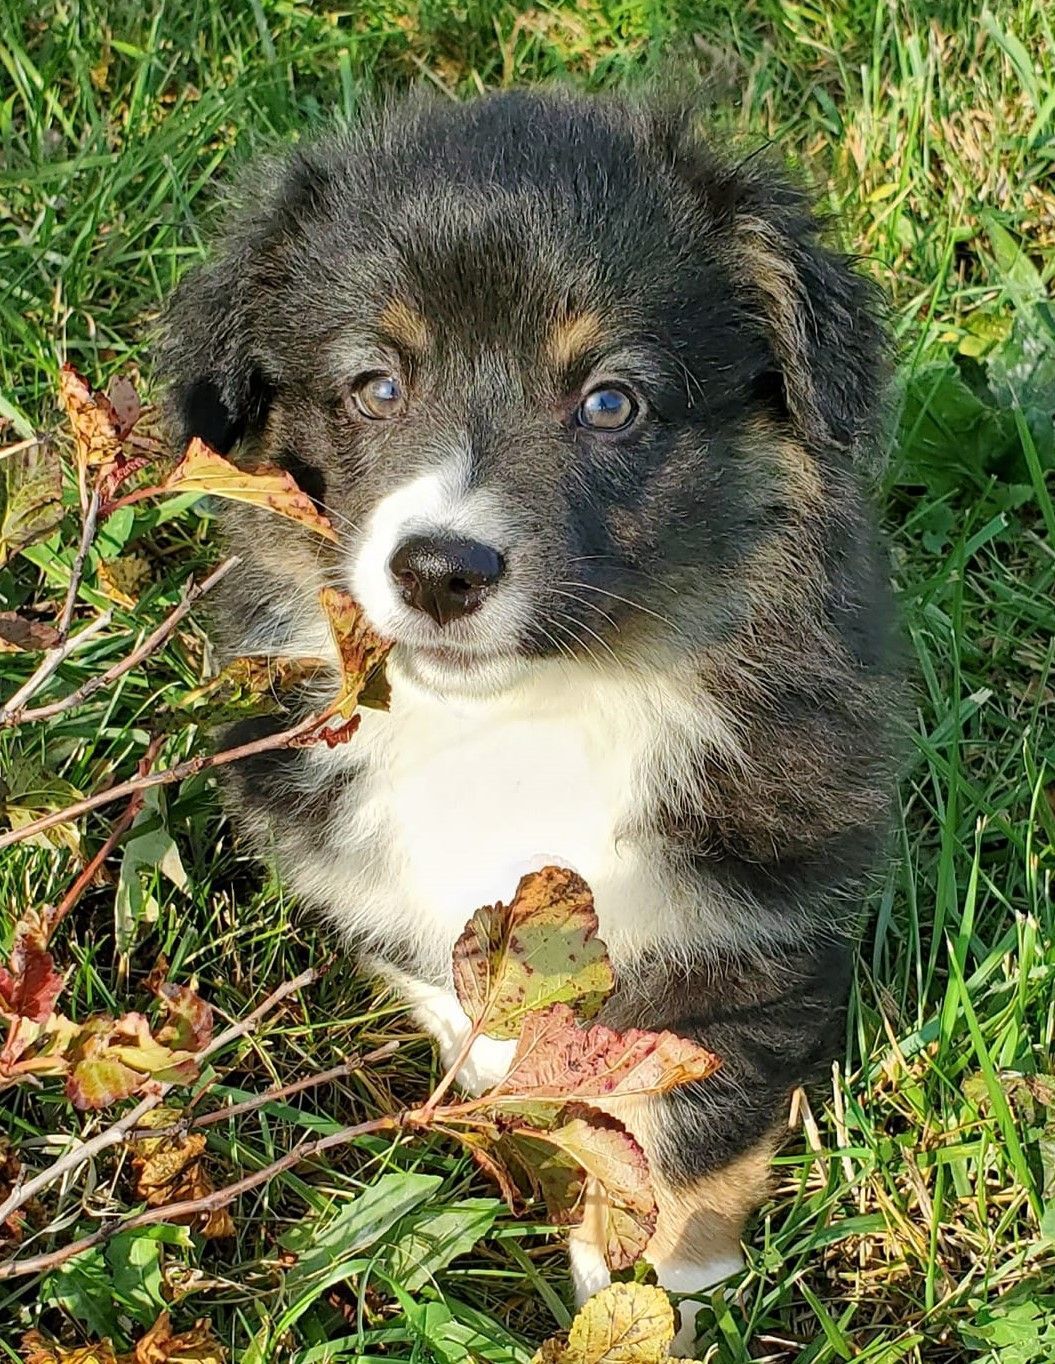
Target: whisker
(589, 587)
(593, 635)
(583, 602)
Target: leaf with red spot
(202, 470)
(361, 654)
(557, 1061)
(540, 949)
(29, 984)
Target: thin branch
(191, 1207)
(12, 716)
(52, 660)
(91, 519)
(84, 880)
(274, 1095)
(307, 732)
(118, 1132)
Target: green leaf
(539, 950)
(430, 1241)
(30, 498)
(326, 1252)
(134, 1260)
(149, 851)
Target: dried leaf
(93, 420)
(626, 1323)
(160, 1346)
(125, 407)
(18, 632)
(172, 1168)
(29, 984)
(591, 1165)
(540, 950)
(123, 579)
(361, 653)
(202, 470)
(37, 1350)
(30, 498)
(189, 1027)
(558, 1061)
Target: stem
(91, 518)
(117, 1132)
(12, 715)
(51, 660)
(306, 732)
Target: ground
(915, 1214)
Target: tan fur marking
(405, 325)
(571, 338)
(705, 1221)
(777, 280)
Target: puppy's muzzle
(445, 578)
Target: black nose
(446, 578)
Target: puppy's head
(562, 377)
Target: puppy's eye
(379, 396)
(607, 409)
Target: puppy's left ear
(214, 387)
(823, 319)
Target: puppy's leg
(439, 1013)
(775, 1025)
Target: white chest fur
(455, 799)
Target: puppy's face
(560, 379)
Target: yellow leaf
(628, 1323)
(96, 442)
(202, 470)
(360, 651)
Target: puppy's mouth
(455, 670)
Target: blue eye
(379, 396)
(607, 409)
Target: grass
(915, 1214)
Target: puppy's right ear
(214, 386)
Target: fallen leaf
(38, 1350)
(202, 470)
(18, 632)
(125, 407)
(170, 1169)
(159, 1346)
(557, 1061)
(123, 579)
(541, 949)
(93, 420)
(591, 1159)
(189, 1027)
(29, 984)
(361, 653)
(626, 1323)
(30, 498)
(112, 1058)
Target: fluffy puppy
(591, 408)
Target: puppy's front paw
(487, 1063)
(686, 1276)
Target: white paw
(488, 1062)
(681, 1276)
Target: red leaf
(557, 1060)
(29, 985)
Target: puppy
(592, 409)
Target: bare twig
(274, 1095)
(27, 444)
(84, 880)
(118, 1132)
(91, 519)
(191, 1207)
(12, 716)
(52, 660)
(303, 734)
